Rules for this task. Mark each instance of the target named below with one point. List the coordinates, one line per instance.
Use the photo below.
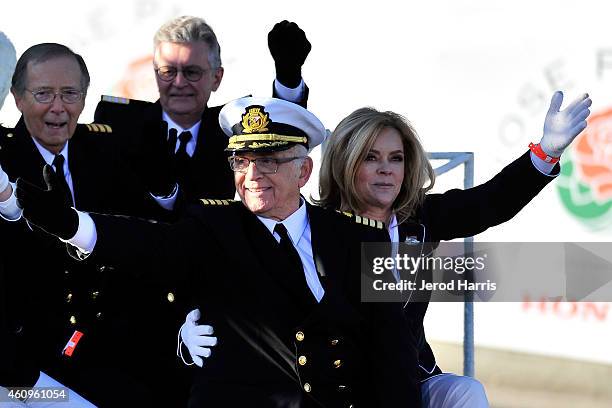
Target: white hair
(8, 59)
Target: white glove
(197, 338)
(4, 180)
(561, 127)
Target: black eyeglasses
(191, 73)
(48, 96)
(266, 165)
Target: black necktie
(296, 270)
(58, 163)
(182, 159)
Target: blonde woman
(375, 166)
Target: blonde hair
(347, 148)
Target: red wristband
(537, 150)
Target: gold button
(95, 294)
(337, 363)
(170, 297)
(72, 320)
(307, 387)
(299, 336)
(99, 315)
(9, 135)
(334, 342)
(69, 298)
(302, 360)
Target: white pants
(453, 391)
(74, 399)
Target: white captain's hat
(268, 125)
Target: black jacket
(49, 295)
(463, 213)
(228, 258)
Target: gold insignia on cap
(266, 140)
(255, 120)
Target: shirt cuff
(167, 203)
(9, 210)
(289, 94)
(543, 167)
(86, 236)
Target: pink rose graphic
(592, 155)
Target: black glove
(50, 209)
(159, 170)
(289, 48)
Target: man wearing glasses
(277, 277)
(188, 68)
(70, 322)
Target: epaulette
(115, 99)
(210, 201)
(363, 220)
(99, 127)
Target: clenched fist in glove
(50, 209)
(289, 48)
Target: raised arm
(289, 48)
(461, 213)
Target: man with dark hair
(70, 322)
(188, 68)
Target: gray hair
(8, 58)
(188, 29)
(41, 53)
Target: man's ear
(217, 77)
(18, 99)
(305, 171)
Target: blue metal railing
(456, 159)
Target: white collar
(48, 156)
(296, 223)
(173, 125)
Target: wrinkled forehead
(54, 72)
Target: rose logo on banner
(585, 182)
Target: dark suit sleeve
(148, 250)
(462, 213)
